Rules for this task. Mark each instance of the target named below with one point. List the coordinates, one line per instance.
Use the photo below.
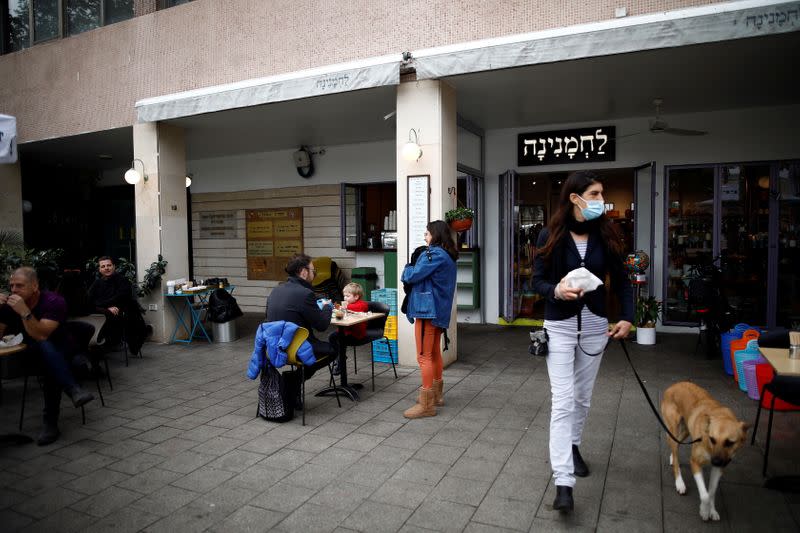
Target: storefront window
(369, 216)
(788, 188)
(45, 20)
(164, 4)
(117, 11)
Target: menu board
(418, 211)
(273, 236)
(218, 225)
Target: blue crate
(384, 358)
(386, 296)
(379, 348)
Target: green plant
(459, 213)
(648, 309)
(13, 255)
(151, 279)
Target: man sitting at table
(112, 295)
(40, 316)
(294, 301)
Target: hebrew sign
(273, 236)
(586, 145)
(218, 225)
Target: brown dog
(689, 410)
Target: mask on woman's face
(593, 209)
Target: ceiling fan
(659, 125)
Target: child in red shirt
(353, 294)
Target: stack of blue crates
(380, 349)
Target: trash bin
(224, 331)
(367, 277)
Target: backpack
(276, 394)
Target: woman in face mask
(577, 235)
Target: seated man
(110, 294)
(294, 301)
(39, 316)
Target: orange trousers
(429, 351)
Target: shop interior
(536, 200)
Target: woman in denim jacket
(578, 235)
(433, 283)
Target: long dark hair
(577, 183)
(441, 235)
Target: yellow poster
(273, 236)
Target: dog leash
(647, 395)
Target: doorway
(533, 200)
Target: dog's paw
(680, 486)
(714, 515)
(705, 511)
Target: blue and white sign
(8, 139)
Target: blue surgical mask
(593, 209)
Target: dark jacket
(294, 301)
(114, 291)
(598, 259)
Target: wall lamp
(411, 150)
(132, 175)
(189, 180)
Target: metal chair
(781, 387)
(82, 334)
(299, 338)
(375, 332)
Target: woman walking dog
(577, 235)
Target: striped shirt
(590, 323)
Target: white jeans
(572, 376)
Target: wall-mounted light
(411, 150)
(188, 180)
(132, 176)
(27, 206)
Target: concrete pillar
(429, 107)
(161, 215)
(11, 197)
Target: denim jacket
(433, 285)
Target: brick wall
(91, 81)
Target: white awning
(8, 139)
(713, 23)
(344, 77)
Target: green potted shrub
(460, 218)
(648, 310)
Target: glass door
(788, 249)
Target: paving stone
(48, 502)
(454, 437)
(335, 429)
(42, 481)
(379, 428)
(136, 463)
(371, 473)
(248, 519)
(203, 433)
(185, 462)
(489, 451)
(150, 480)
(460, 490)
(390, 455)
(13, 521)
(505, 512)
(147, 422)
(106, 501)
(283, 497)
(217, 446)
(172, 447)
(440, 515)
(39, 464)
(418, 471)
(259, 477)
(337, 458)
(203, 479)
(78, 449)
(63, 521)
(376, 516)
(165, 500)
(401, 492)
(159, 434)
(313, 476)
(409, 440)
(226, 498)
(478, 469)
(96, 481)
(341, 495)
(360, 442)
(288, 459)
(265, 444)
(10, 497)
(117, 434)
(312, 518)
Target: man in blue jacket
(295, 301)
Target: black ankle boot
(48, 435)
(79, 396)
(578, 465)
(563, 501)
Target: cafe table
(778, 358)
(5, 352)
(189, 313)
(347, 321)
(12, 438)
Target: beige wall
(227, 257)
(91, 81)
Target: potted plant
(648, 309)
(460, 218)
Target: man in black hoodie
(295, 301)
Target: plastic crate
(386, 296)
(380, 351)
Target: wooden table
(4, 352)
(348, 321)
(779, 359)
(12, 438)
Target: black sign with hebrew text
(586, 145)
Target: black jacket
(114, 291)
(294, 301)
(598, 259)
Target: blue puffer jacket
(272, 339)
(433, 286)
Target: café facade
(687, 109)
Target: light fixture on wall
(411, 150)
(132, 176)
(189, 180)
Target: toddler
(353, 294)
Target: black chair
(82, 333)
(375, 332)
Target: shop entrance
(530, 201)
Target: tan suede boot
(424, 407)
(438, 392)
